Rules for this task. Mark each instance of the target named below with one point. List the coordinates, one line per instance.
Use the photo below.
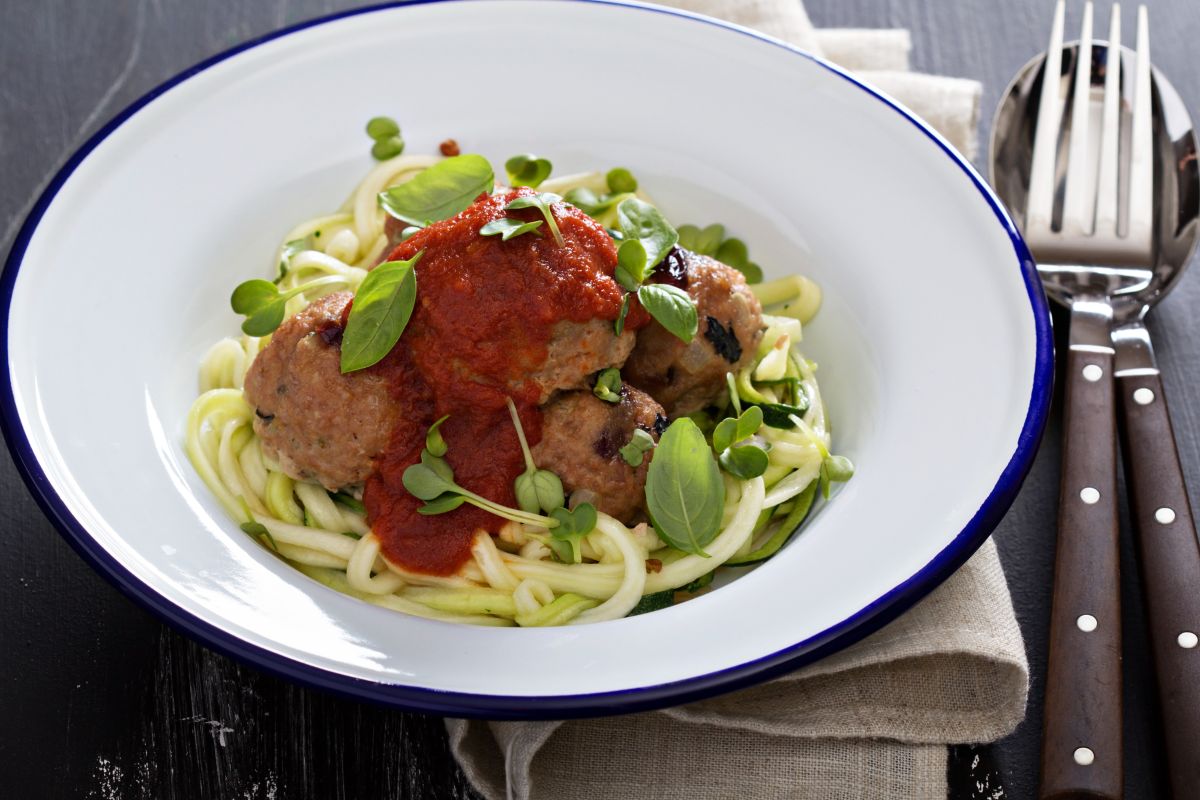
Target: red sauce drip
(483, 320)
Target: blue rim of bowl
(865, 621)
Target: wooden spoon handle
(1081, 739)
(1169, 555)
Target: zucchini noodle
(512, 578)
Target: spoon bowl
(1177, 199)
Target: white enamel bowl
(933, 340)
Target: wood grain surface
(99, 700)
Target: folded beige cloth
(872, 721)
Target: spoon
(1169, 552)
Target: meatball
(578, 350)
(582, 436)
(687, 377)
(528, 316)
(314, 421)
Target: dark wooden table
(99, 699)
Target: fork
(1084, 262)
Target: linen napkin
(872, 721)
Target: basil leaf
(527, 170)
(266, 319)
(672, 307)
(684, 491)
(744, 461)
(425, 484)
(434, 442)
(439, 192)
(640, 220)
(441, 504)
(252, 296)
(631, 264)
(753, 272)
(508, 228)
(381, 310)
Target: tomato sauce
(482, 324)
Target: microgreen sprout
(264, 305)
(608, 385)
(542, 202)
(635, 451)
(535, 489)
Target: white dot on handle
(1143, 396)
(1092, 373)
(1084, 756)
(1165, 516)
(1188, 640)
(1086, 623)
(1089, 496)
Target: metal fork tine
(1106, 189)
(1141, 179)
(1039, 206)
(1077, 206)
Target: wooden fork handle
(1169, 555)
(1081, 739)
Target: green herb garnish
(621, 181)
(684, 491)
(542, 202)
(642, 221)
(386, 133)
(572, 526)
(442, 494)
(740, 460)
(671, 307)
(608, 385)
(264, 305)
(382, 307)
(382, 128)
(535, 489)
(439, 192)
(527, 170)
(834, 469)
(635, 451)
(507, 228)
(434, 442)
(711, 241)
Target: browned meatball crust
(581, 440)
(687, 377)
(314, 421)
(578, 350)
